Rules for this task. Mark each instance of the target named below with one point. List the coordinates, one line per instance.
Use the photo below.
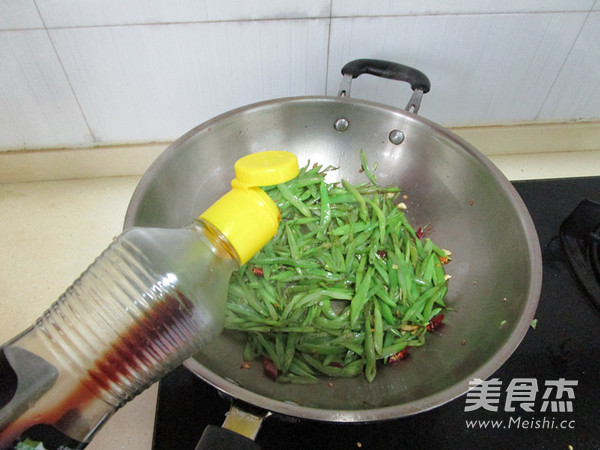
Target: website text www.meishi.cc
(522, 423)
(526, 399)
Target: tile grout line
(562, 66)
(328, 53)
(62, 66)
(282, 19)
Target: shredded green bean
(346, 285)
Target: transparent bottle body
(151, 300)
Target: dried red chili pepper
(382, 253)
(420, 233)
(269, 368)
(435, 322)
(399, 356)
(258, 271)
(336, 364)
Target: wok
(471, 207)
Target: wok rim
(403, 409)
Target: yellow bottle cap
(246, 215)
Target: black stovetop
(565, 345)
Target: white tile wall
(148, 83)
(78, 73)
(576, 94)
(19, 14)
(37, 106)
(69, 13)
(341, 8)
(483, 68)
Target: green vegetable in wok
(347, 282)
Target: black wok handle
(418, 81)
(388, 69)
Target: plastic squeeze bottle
(151, 300)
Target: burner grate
(595, 252)
(580, 238)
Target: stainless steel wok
(471, 207)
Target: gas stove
(546, 395)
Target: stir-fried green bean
(346, 284)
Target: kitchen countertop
(52, 230)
